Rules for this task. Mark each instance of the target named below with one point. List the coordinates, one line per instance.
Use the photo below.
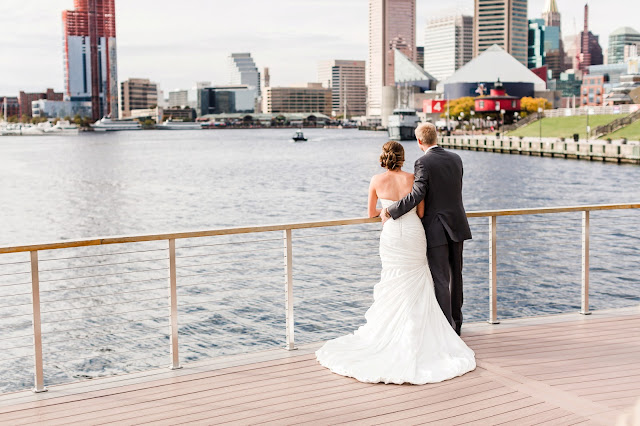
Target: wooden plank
(254, 370)
(542, 418)
(234, 386)
(222, 384)
(266, 408)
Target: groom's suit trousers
(445, 262)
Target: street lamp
(502, 122)
(540, 120)
(588, 128)
(473, 126)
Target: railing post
(173, 306)
(493, 272)
(288, 289)
(585, 263)
(37, 324)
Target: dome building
(492, 65)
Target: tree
(529, 104)
(456, 106)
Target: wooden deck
(558, 370)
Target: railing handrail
(284, 227)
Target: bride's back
(393, 185)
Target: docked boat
(402, 124)
(107, 124)
(299, 137)
(179, 125)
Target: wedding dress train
(406, 338)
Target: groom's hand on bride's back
(384, 215)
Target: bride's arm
(420, 209)
(373, 211)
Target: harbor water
(105, 308)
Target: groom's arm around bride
(438, 181)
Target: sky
(177, 44)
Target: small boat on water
(106, 124)
(299, 137)
(179, 125)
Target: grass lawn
(631, 132)
(558, 127)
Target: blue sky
(179, 43)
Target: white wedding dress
(407, 338)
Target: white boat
(179, 125)
(106, 124)
(20, 129)
(62, 127)
(402, 124)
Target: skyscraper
(501, 22)
(90, 61)
(553, 45)
(536, 54)
(618, 39)
(392, 25)
(242, 70)
(448, 45)
(347, 83)
(590, 52)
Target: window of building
(481, 104)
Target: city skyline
(178, 47)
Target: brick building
(25, 100)
(13, 106)
(592, 90)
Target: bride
(406, 338)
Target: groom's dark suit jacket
(438, 180)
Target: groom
(438, 181)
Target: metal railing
(175, 282)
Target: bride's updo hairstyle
(392, 157)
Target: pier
(573, 368)
(582, 150)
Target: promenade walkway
(557, 370)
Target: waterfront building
(480, 74)
(501, 22)
(90, 60)
(137, 93)
(346, 79)
(497, 100)
(536, 57)
(226, 100)
(612, 72)
(420, 55)
(626, 92)
(589, 50)
(448, 44)
(592, 90)
(51, 109)
(625, 36)
(25, 100)
(178, 98)
(567, 83)
(392, 25)
(179, 114)
(12, 104)
(243, 71)
(312, 98)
